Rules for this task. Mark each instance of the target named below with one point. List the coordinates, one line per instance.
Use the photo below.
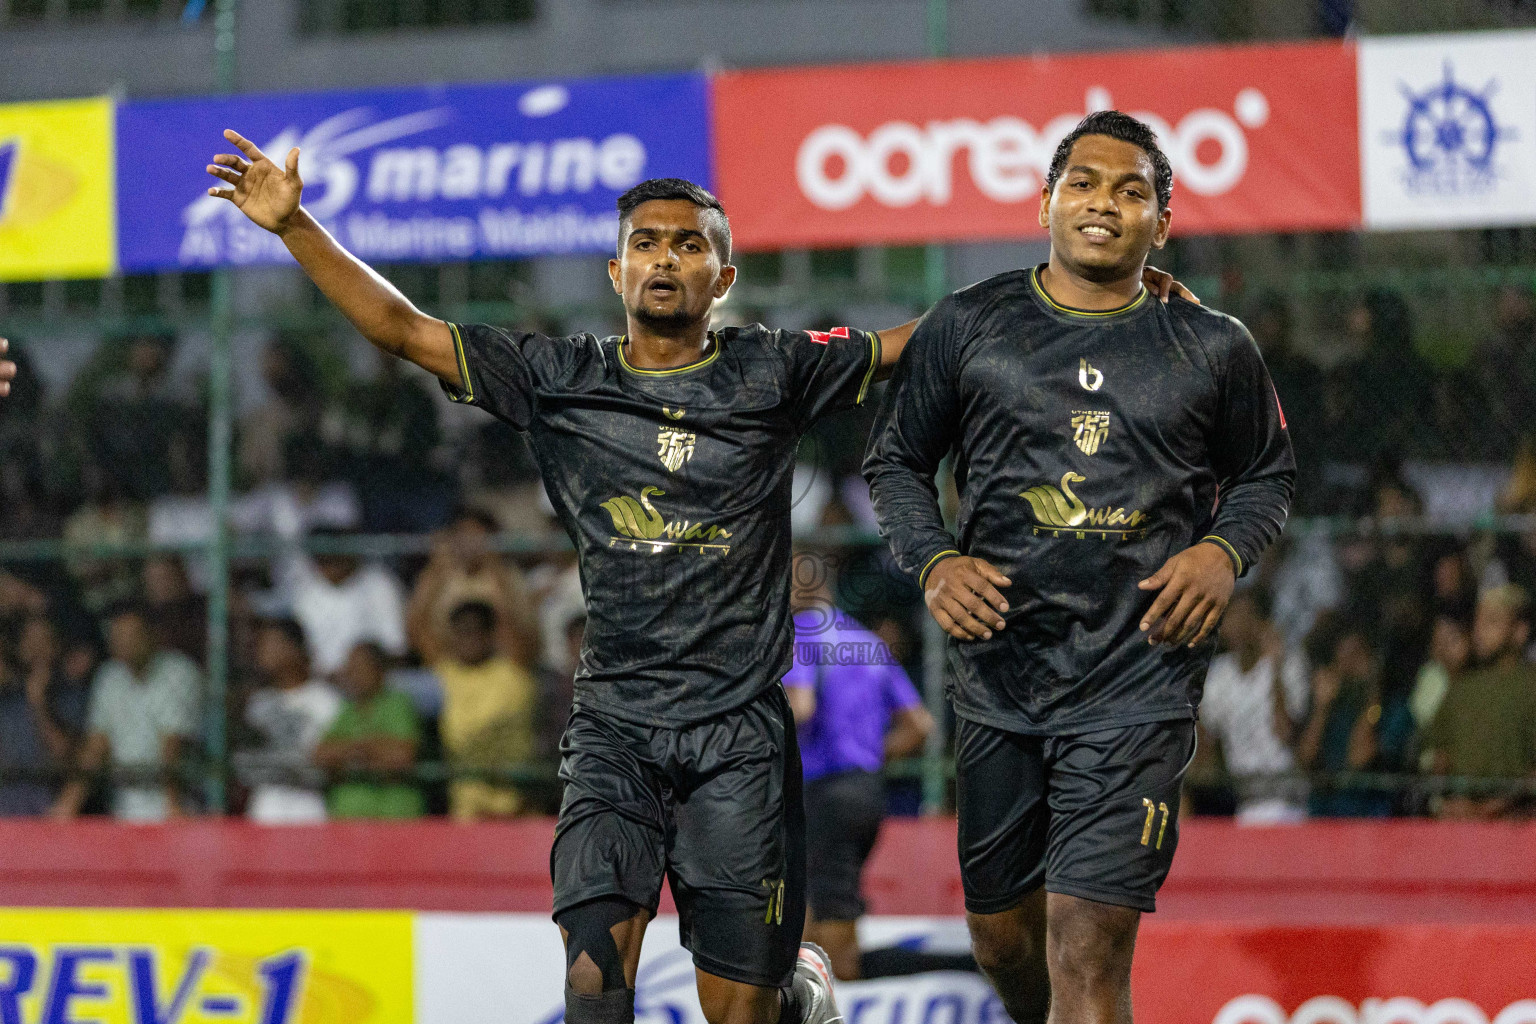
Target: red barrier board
(1408, 974)
(1262, 138)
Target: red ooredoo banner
(1261, 138)
(1209, 973)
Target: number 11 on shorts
(1146, 830)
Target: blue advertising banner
(428, 174)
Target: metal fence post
(220, 440)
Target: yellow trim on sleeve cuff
(922, 577)
(1237, 559)
(467, 393)
(874, 364)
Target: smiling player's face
(1103, 214)
(669, 274)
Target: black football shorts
(1094, 815)
(842, 821)
(715, 806)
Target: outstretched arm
(893, 340)
(269, 195)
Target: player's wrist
(1233, 558)
(925, 576)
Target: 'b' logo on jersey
(1088, 377)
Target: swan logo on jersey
(1090, 429)
(638, 523)
(1060, 512)
(1088, 377)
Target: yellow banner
(205, 967)
(58, 183)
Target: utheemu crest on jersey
(675, 447)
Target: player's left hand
(7, 370)
(1162, 284)
(1196, 585)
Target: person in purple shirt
(854, 709)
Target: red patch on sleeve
(1281, 409)
(822, 337)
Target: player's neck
(647, 348)
(1073, 289)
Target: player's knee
(1091, 946)
(1003, 943)
(593, 964)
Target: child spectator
(376, 735)
(487, 723)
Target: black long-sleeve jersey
(675, 487)
(1088, 448)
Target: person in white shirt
(1255, 694)
(341, 603)
(292, 713)
(146, 706)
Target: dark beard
(664, 324)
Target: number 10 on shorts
(1152, 812)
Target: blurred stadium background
(199, 447)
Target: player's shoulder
(1211, 325)
(1003, 287)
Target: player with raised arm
(668, 455)
(1119, 463)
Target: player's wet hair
(717, 227)
(1127, 129)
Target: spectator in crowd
(1390, 585)
(180, 617)
(342, 602)
(463, 568)
(1450, 648)
(145, 707)
(1298, 383)
(1255, 696)
(134, 413)
(106, 517)
(291, 412)
(1506, 368)
(42, 717)
(487, 722)
(309, 498)
(1342, 729)
(388, 430)
(854, 709)
(1385, 392)
(370, 750)
(23, 456)
(292, 713)
(1486, 726)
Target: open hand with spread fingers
(962, 596)
(7, 369)
(263, 191)
(1196, 585)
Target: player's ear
(724, 280)
(614, 269)
(1045, 206)
(1164, 223)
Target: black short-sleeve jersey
(1089, 447)
(675, 487)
